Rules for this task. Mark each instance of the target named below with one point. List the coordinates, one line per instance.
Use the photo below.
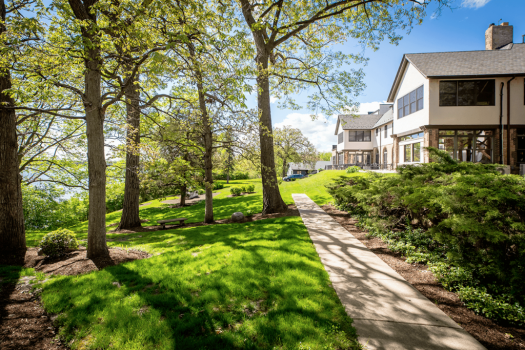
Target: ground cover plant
(257, 285)
(465, 220)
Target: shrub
(250, 188)
(466, 217)
(235, 191)
(353, 169)
(57, 243)
(243, 189)
(218, 186)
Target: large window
(386, 131)
(468, 145)
(411, 137)
(359, 157)
(410, 103)
(467, 92)
(412, 152)
(385, 156)
(340, 138)
(521, 146)
(359, 136)
(341, 158)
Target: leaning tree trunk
(12, 231)
(130, 212)
(272, 200)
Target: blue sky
(460, 29)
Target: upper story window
(377, 131)
(340, 138)
(386, 131)
(411, 137)
(467, 92)
(359, 135)
(410, 103)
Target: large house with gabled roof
(470, 104)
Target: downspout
(508, 120)
(501, 124)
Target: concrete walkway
(388, 312)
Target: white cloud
(474, 3)
(366, 107)
(319, 131)
(273, 99)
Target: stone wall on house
(430, 139)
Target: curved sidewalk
(388, 312)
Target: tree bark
(284, 167)
(272, 200)
(12, 230)
(130, 211)
(207, 138)
(182, 195)
(97, 247)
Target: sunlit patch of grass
(256, 285)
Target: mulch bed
(492, 335)
(23, 322)
(292, 211)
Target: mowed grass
(256, 285)
(223, 206)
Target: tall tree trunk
(208, 140)
(12, 231)
(130, 211)
(182, 195)
(272, 200)
(284, 167)
(97, 247)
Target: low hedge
(468, 221)
(57, 243)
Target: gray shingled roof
(507, 61)
(358, 122)
(385, 118)
(468, 63)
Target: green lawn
(223, 206)
(257, 285)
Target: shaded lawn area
(257, 285)
(223, 206)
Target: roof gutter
(508, 120)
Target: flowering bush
(57, 243)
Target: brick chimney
(498, 36)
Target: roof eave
(477, 76)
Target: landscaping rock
(238, 217)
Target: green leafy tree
(292, 146)
(292, 40)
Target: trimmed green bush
(235, 191)
(218, 186)
(250, 188)
(243, 189)
(352, 169)
(57, 243)
(465, 220)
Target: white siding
(412, 79)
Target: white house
(469, 103)
(306, 168)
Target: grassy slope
(223, 206)
(256, 285)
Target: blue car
(293, 176)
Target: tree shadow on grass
(263, 294)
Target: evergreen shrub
(218, 186)
(250, 188)
(465, 220)
(353, 169)
(57, 243)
